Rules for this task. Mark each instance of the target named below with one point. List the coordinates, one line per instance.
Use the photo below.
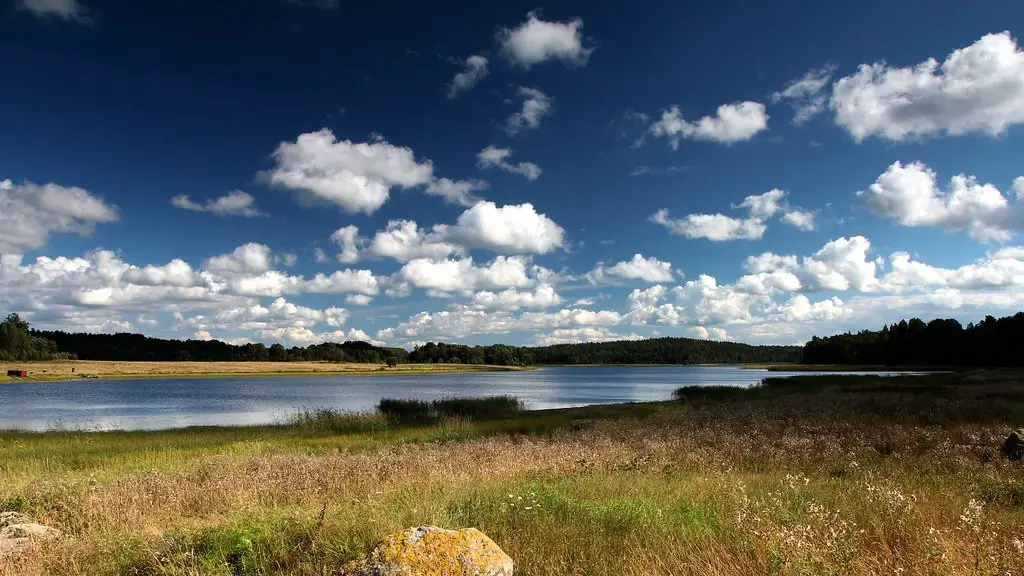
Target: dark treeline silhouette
(652, 351)
(991, 342)
(137, 347)
(17, 342)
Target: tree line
(651, 351)
(17, 342)
(941, 342)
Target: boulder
(1013, 447)
(433, 551)
(18, 534)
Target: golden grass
(881, 476)
(76, 369)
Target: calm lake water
(179, 402)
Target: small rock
(1013, 447)
(19, 535)
(429, 550)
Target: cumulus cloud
(536, 105)
(512, 229)
(63, 9)
(404, 240)
(249, 258)
(358, 177)
(841, 264)
(712, 333)
(457, 191)
(29, 213)
(714, 227)
(536, 41)
(720, 227)
(909, 194)
(474, 70)
(493, 156)
(347, 238)
(342, 282)
(544, 296)
(461, 275)
(807, 94)
(235, 203)
(579, 335)
(177, 272)
(977, 89)
(731, 123)
(638, 268)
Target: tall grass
(421, 411)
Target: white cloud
(714, 227)
(544, 296)
(584, 302)
(807, 94)
(250, 258)
(29, 213)
(712, 333)
(578, 335)
(358, 299)
(800, 309)
(475, 71)
(801, 219)
(492, 156)
(347, 237)
(910, 195)
(764, 205)
(462, 275)
(732, 123)
(977, 89)
(457, 192)
(202, 335)
(1018, 187)
(513, 229)
(404, 240)
(235, 203)
(344, 281)
(63, 9)
(536, 105)
(639, 268)
(296, 336)
(177, 272)
(358, 177)
(842, 264)
(536, 41)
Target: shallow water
(178, 402)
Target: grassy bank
(815, 475)
(87, 369)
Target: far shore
(49, 371)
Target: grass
(421, 411)
(812, 475)
(88, 369)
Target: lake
(179, 402)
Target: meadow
(811, 475)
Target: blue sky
(302, 171)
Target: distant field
(75, 369)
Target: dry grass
(74, 369)
(865, 476)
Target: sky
(302, 171)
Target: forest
(991, 342)
(651, 351)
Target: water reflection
(173, 403)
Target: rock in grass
(433, 551)
(18, 534)
(1013, 447)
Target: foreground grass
(114, 370)
(829, 475)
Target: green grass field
(812, 475)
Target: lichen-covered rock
(18, 534)
(433, 551)
(1013, 447)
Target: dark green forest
(991, 342)
(17, 342)
(651, 351)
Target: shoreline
(87, 370)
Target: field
(830, 475)
(77, 369)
